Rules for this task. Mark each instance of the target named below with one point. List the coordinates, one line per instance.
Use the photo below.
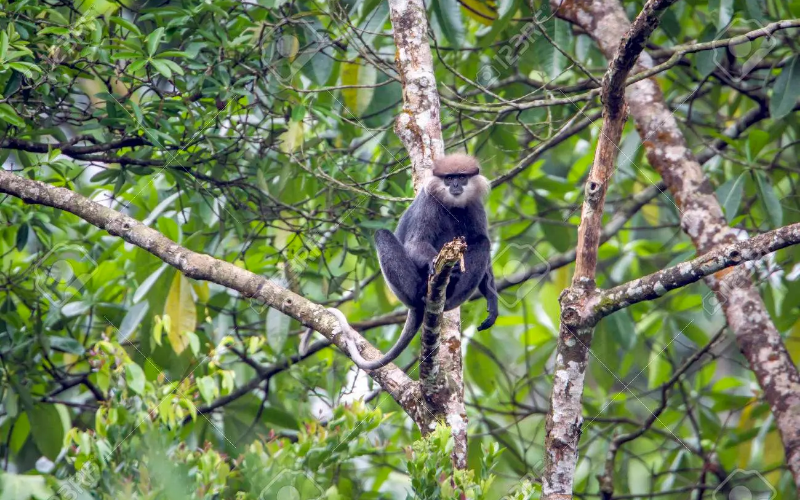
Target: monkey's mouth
(456, 191)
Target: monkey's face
(456, 184)
(458, 190)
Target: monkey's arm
(413, 322)
(422, 253)
(489, 291)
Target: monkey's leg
(413, 322)
(489, 291)
(476, 261)
(399, 270)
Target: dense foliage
(260, 132)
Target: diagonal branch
(204, 267)
(657, 284)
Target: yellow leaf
(357, 100)
(181, 311)
(561, 278)
(650, 213)
(482, 11)
(350, 77)
(202, 291)
(793, 346)
(288, 47)
(292, 139)
(745, 423)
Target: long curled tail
(413, 322)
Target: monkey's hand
(488, 322)
(432, 266)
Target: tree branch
(206, 268)
(451, 254)
(657, 284)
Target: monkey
(451, 204)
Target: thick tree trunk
(419, 127)
(578, 318)
(703, 221)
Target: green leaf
(481, 11)
(162, 68)
(108, 175)
(11, 403)
(19, 487)
(19, 436)
(723, 10)
(3, 45)
(49, 426)
(277, 326)
(66, 344)
(756, 141)
(148, 283)
(208, 388)
(132, 320)
(786, 90)
(21, 239)
(730, 194)
(448, 13)
(134, 377)
(25, 68)
(771, 203)
(125, 24)
(623, 329)
(173, 66)
(356, 100)
(153, 40)
(10, 116)
(658, 370)
(75, 309)
(279, 418)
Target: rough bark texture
(204, 267)
(723, 257)
(564, 419)
(452, 254)
(703, 221)
(419, 127)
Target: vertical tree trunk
(703, 221)
(419, 127)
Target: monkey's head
(457, 181)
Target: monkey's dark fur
(449, 206)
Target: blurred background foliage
(260, 132)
